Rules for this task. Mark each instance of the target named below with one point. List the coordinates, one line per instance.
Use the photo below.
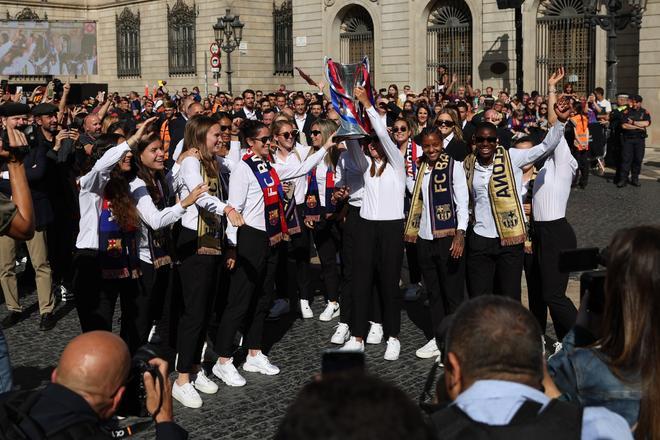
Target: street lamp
(618, 15)
(228, 32)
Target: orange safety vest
(165, 137)
(581, 130)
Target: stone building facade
(405, 39)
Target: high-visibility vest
(165, 137)
(581, 132)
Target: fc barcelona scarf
(118, 249)
(159, 240)
(440, 204)
(503, 194)
(411, 159)
(274, 198)
(312, 198)
(209, 228)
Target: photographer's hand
(154, 397)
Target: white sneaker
(186, 395)
(393, 349)
(353, 345)
(260, 364)
(204, 384)
(342, 334)
(331, 311)
(228, 374)
(375, 335)
(428, 351)
(305, 309)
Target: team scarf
(210, 232)
(312, 207)
(411, 159)
(118, 249)
(160, 239)
(529, 224)
(503, 195)
(441, 205)
(274, 198)
(290, 211)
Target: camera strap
(129, 430)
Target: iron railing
(127, 26)
(354, 46)
(283, 38)
(450, 46)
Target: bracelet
(230, 210)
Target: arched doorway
(449, 40)
(563, 38)
(356, 38)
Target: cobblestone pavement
(254, 410)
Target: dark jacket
(307, 128)
(177, 129)
(241, 114)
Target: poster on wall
(47, 48)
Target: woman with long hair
(449, 127)
(379, 237)
(422, 117)
(255, 189)
(611, 358)
(199, 247)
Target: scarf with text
(411, 159)
(274, 198)
(440, 204)
(118, 249)
(210, 232)
(313, 199)
(529, 224)
(503, 195)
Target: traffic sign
(215, 61)
(215, 49)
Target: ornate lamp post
(228, 32)
(618, 15)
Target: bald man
(86, 388)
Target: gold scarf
(209, 227)
(504, 201)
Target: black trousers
(255, 261)
(153, 287)
(443, 276)
(583, 158)
(293, 279)
(493, 268)
(632, 155)
(551, 238)
(199, 285)
(348, 235)
(96, 299)
(414, 269)
(534, 295)
(327, 242)
(61, 245)
(378, 254)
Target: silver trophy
(342, 79)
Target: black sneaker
(12, 319)
(47, 322)
(621, 184)
(635, 182)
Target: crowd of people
(191, 209)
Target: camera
(58, 87)
(592, 279)
(134, 402)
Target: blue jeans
(5, 365)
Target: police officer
(634, 123)
(613, 157)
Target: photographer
(87, 387)
(610, 357)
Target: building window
(356, 39)
(449, 40)
(127, 25)
(181, 38)
(283, 26)
(563, 38)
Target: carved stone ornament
(181, 14)
(128, 21)
(329, 3)
(27, 14)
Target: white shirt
(300, 121)
(296, 156)
(152, 217)
(606, 105)
(552, 185)
(90, 197)
(383, 195)
(459, 194)
(246, 195)
(190, 177)
(350, 175)
(250, 114)
(484, 223)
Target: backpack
(15, 412)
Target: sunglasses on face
(489, 139)
(399, 129)
(315, 133)
(263, 140)
(225, 127)
(443, 123)
(382, 105)
(288, 134)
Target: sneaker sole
(390, 358)
(206, 390)
(195, 406)
(341, 341)
(253, 369)
(226, 382)
(311, 315)
(427, 354)
(372, 342)
(334, 315)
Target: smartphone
(335, 361)
(578, 260)
(19, 89)
(50, 90)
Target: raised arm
(552, 94)
(290, 171)
(22, 224)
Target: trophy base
(348, 137)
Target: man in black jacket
(35, 162)
(87, 387)
(248, 111)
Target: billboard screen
(47, 48)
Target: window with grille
(283, 38)
(127, 26)
(181, 38)
(356, 39)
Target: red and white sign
(215, 49)
(215, 63)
